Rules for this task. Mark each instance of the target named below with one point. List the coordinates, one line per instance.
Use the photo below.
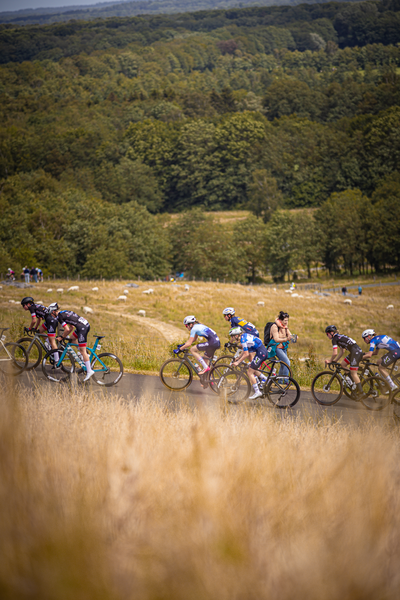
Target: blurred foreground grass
(144, 500)
(144, 348)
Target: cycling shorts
(50, 325)
(353, 359)
(210, 346)
(81, 334)
(261, 355)
(390, 358)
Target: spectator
(26, 271)
(34, 274)
(344, 290)
(40, 274)
(359, 290)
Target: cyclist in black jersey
(353, 359)
(70, 320)
(41, 313)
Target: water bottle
(349, 381)
(47, 345)
(196, 366)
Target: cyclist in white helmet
(210, 346)
(254, 348)
(384, 342)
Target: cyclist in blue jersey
(382, 342)
(251, 345)
(209, 347)
(229, 316)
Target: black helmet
(331, 329)
(27, 300)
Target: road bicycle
(328, 387)
(177, 373)
(13, 357)
(35, 345)
(108, 368)
(236, 351)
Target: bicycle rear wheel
(58, 371)
(275, 365)
(229, 382)
(377, 393)
(176, 374)
(283, 394)
(108, 369)
(13, 359)
(34, 354)
(326, 388)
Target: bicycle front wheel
(232, 383)
(326, 388)
(216, 373)
(34, 354)
(377, 393)
(283, 392)
(13, 358)
(108, 369)
(176, 374)
(58, 371)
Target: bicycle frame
(187, 355)
(93, 356)
(2, 338)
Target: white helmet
(367, 332)
(228, 311)
(235, 331)
(189, 319)
(53, 306)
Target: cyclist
(252, 346)
(210, 346)
(384, 342)
(353, 359)
(70, 320)
(39, 313)
(229, 315)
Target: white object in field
(49, 290)
(261, 303)
(187, 288)
(87, 310)
(126, 292)
(149, 291)
(142, 313)
(389, 306)
(95, 289)
(73, 288)
(122, 298)
(295, 295)
(274, 289)
(39, 302)
(348, 301)
(11, 301)
(301, 296)
(60, 290)
(288, 291)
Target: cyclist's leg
(252, 371)
(81, 334)
(195, 350)
(51, 328)
(354, 359)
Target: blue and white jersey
(250, 342)
(383, 341)
(245, 325)
(203, 331)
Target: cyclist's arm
(335, 356)
(33, 325)
(371, 353)
(189, 342)
(241, 358)
(67, 331)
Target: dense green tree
(279, 254)
(264, 194)
(250, 234)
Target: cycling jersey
(38, 310)
(203, 331)
(343, 341)
(68, 317)
(250, 342)
(383, 341)
(245, 325)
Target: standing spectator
(26, 273)
(359, 290)
(344, 290)
(34, 274)
(40, 274)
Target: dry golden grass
(144, 348)
(120, 500)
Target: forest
(109, 127)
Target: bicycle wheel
(108, 369)
(275, 365)
(58, 371)
(225, 359)
(283, 394)
(377, 393)
(233, 383)
(215, 374)
(396, 396)
(176, 374)
(326, 388)
(34, 354)
(13, 359)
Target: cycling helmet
(235, 331)
(53, 306)
(331, 329)
(27, 300)
(367, 332)
(189, 319)
(228, 311)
